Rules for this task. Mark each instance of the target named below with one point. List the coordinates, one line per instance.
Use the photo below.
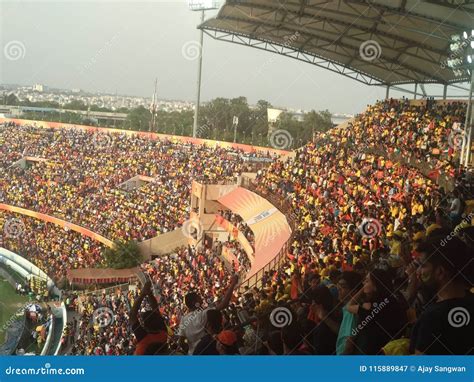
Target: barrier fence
(47, 344)
(123, 287)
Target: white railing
(47, 344)
(24, 268)
(64, 314)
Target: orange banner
(59, 222)
(269, 225)
(197, 141)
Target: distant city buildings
(38, 88)
(41, 93)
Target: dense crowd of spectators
(380, 261)
(173, 276)
(50, 247)
(102, 327)
(82, 177)
(426, 132)
(240, 225)
(184, 270)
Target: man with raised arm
(193, 324)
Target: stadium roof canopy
(377, 42)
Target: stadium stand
(360, 275)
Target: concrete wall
(163, 244)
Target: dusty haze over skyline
(121, 46)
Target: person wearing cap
(227, 343)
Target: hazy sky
(121, 47)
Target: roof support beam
(350, 48)
(320, 11)
(321, 62)
(410, 41)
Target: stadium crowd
(80, 177)
(50, 247)
(368, 271)
(240, 225)
(423, 132)
(380, 260)
(102, 325)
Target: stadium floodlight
(455, 37)
(456, 47)
(472, 44)
(454, 62)
(469, 59)
(464, 35)
(202, 5)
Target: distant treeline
(215, 119)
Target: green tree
(139, 119)
(11, 99)
(123, 255)
(286, 121)
(175, 122)
(258, 128)
(215, 120)
(76, 105)
(302, 131)
(317, 121)
(45, 104)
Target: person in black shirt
(446, 326)
(324, 336)
(314, 279)
(380, 316)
